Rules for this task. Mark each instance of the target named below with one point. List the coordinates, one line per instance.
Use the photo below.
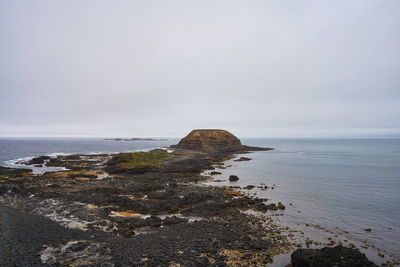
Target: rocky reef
(330, 257)
(214, 140)
(133, 209)
(138, 209)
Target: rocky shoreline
(140, 209)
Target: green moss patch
(141, 159)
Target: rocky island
(214, 140)
(142, 209)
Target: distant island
(135, 139)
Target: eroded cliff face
(210, 140)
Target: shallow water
(343, 185)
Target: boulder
(281, 206)
(38, 160)
(233, 178)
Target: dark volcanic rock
(264, 207)
(281, 206)
(148, 210)
(38, 160)
(242, 159)
(13, 172)
(326, 257)
(233, 178)
(174, 220)
(161, 194)
(213, 140)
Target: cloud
(161, 68)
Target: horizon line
(174, 137)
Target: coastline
(269, 217)
(306, 233)
(20, 163)
(47, 195)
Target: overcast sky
(162, 68)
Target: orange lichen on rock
(235, 193)
(126, 213)
(82, 179)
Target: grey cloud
(160, 68)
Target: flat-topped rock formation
(213, 140)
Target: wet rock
(73, 157)
(263, 207)
(215, 173)
(259, 244)
(14, 172)
(38, 160)
(153, 221)
(368, 230)
(281, 206)
(242, 159)
(194, 197)
(328, 257)
(173, 220)
(233, 178)
(249, 187)
(161, 194)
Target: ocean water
(343, 186)
(12, 149)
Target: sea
(332, 188)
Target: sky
(263, 68)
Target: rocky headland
(141, 209)
(214, 140)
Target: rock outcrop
(38, 160)
(233, 178)
(329, 257)
(213, 140)
(14, 172)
